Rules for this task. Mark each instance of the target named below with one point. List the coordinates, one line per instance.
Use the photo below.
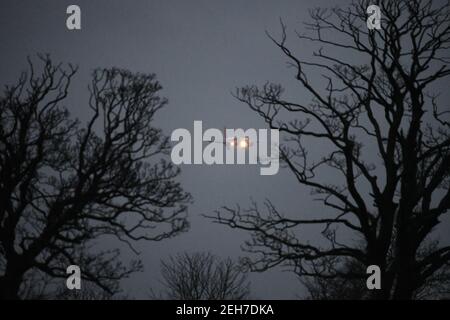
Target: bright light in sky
(243, 143)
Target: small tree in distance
(203, 276)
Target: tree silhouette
(203, 276)
(437, 286)
(63, 185)
(377, 93)
(338, 288)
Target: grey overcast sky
(200, 51)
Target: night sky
(200, 51)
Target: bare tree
(88, 291)
(435, 287)
(383, 174)
(63, 185)
(39, 286)
(203, 276)
(338, 288)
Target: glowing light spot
(243, 143)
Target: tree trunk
(9, 287)
(10, 282)
(405, 287)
